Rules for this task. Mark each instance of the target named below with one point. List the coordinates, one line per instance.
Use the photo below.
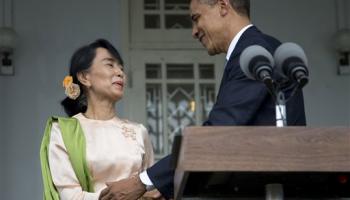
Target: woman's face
(105, 77)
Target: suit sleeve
(162, 176)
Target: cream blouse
(115, 149)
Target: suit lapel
(230, 64)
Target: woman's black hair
(82, 60)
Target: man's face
(207, 26)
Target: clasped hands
(128, 189)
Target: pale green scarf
(74, 141)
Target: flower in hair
(67, 81)
(72, 90)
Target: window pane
(151, 5)
(152, 21)
(176, 5)
(155, 116)
(180, 71)
(181, 112)
(153, 71)
(206, 71)
(207, 92)
(177, 21)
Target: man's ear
(224, 7)
(83, 78)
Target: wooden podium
(238, 162)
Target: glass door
(172, 90)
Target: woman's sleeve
(62, 172)
(148, 159)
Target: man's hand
(127, 189)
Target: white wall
(50, 31)
(311, 24)
(2, 138)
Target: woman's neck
(100, 110)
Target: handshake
(129, 189)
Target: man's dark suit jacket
(240, 101)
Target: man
(222, 26)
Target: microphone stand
(274, 191)
(280, 101)
(281, 113)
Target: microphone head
(249, 54)
(286, 51)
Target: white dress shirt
(235, 41)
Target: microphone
(292, 63)
(257, 64)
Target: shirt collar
(235, 41)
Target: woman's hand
(153, 195)
(127, 189)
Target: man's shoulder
(253, 36)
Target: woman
(80, 154)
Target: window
(177, 96)
(166, 22)
(166, 14)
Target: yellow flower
(67, 81)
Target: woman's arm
(62, 173)
(148, 159)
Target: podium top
(265, 149)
